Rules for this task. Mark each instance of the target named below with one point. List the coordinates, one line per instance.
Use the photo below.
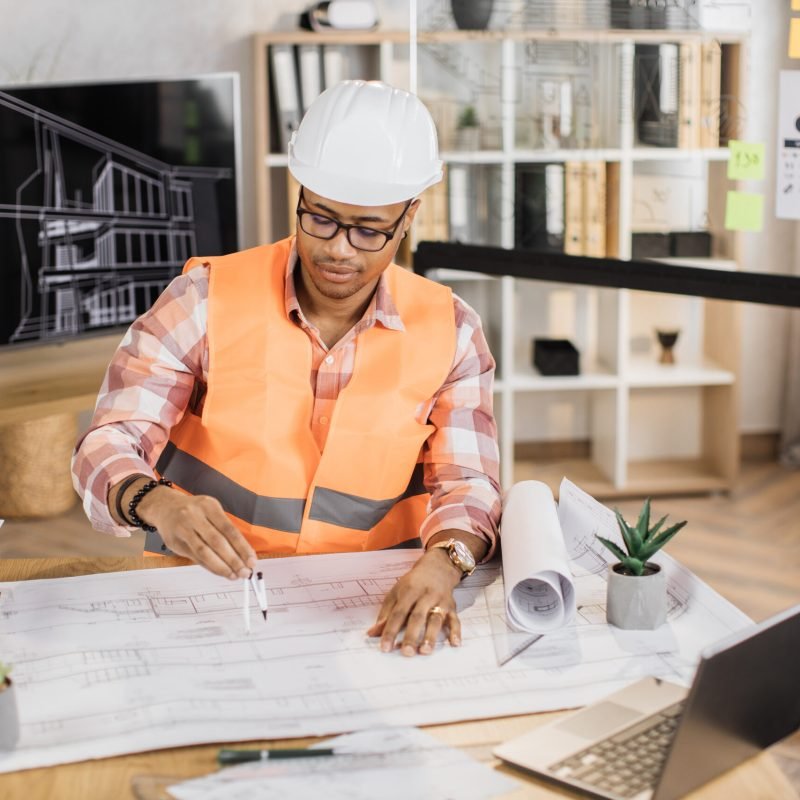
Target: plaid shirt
(152, 375)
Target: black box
(690, 244)
(650, 245)
(555, 357)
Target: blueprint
(390, 763)
(124, 662)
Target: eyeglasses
(321, 227)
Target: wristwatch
(459, 554)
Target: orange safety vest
(252, 447)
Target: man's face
(335, 268)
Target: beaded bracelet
(122, 489)
(135, 519)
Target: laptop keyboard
(628, 762)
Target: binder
(573, 209)
(309, 66)
(458, 176)
(711, 83)
(539, 207)
(430, 223)
(594, 192)
(689, 110)
(332, 65)
(285, 94)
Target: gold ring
(436, 610)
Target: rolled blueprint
(539, 592)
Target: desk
(112, 777)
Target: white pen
(257, 582)
(246, 605)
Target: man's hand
(427, 585)
(195, 527)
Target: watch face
(464, 555)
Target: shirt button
(329, 360)
(323, 420)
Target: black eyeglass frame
(348, 227)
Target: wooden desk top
(115, 777)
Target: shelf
(640, 153)
(585, 154)
(679, 476)
(51, 379)
(582, 35)
(448, 275)
(581, 471)
(644, 373)
(592, 377)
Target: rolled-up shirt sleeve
(461, 460)
(145, 392)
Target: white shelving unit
(627, 424)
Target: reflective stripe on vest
(253, 448)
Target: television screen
(105, 191)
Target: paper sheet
(390, 763)
(125, 662)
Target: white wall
(765, 328)
(82, 40)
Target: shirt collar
(381, 309)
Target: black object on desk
(227, 757)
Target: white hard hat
(366, 143)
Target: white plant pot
(636, 602)
(9, 719)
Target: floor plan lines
(157, 658)
(98, 227)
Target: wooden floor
(746, 545)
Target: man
(309, 396)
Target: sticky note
(744, 211)
(794, 37)
(795, 5)
(746, 161)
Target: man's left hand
(422, 601)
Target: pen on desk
(243, 756)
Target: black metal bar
(648, 276)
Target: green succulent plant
(641, 541)
(468, 117)
(5, 670)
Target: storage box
(650, 245)
(555, 357)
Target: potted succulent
(467, 130)
(9, 720)
(637, 588)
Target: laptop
(655, 740)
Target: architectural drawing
(116, 663)
(99, 229)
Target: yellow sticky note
(744, 211)
(794, 37)
(746, 161)
(795, 5)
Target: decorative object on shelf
(667, 341)
(636, 595)
(9, 718)
(340, 15)
(555, 357)
(467, 129)
(471, 15)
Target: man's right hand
(195, 527)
